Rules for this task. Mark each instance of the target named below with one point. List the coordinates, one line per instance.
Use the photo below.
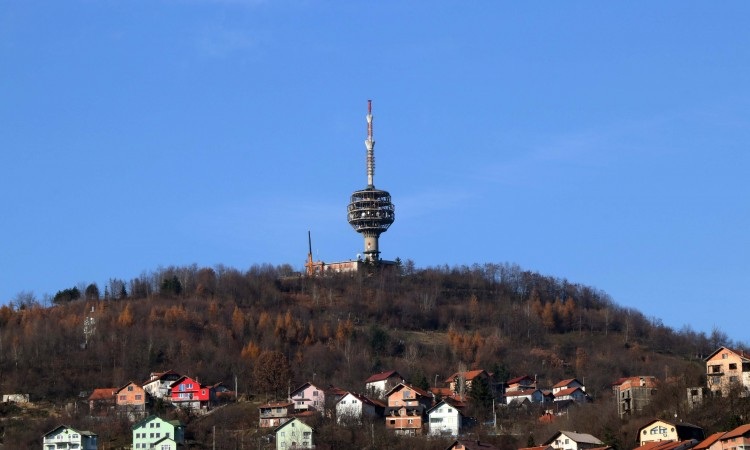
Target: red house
(188, 393)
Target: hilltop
(218, 324)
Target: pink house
(308, 397)
(737, 438)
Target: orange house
(406, 409)
(131, 398)
(727, 369)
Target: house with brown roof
(575, 394)
(354, 408)
(273, 414)
(668, 445)
(102, 401)
(406, 409)
(633, 394)
(726, 369)
(131, 400)
(380, 383)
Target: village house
(727, 369)
(274, 414)
(406, 409)
(470, 376)
(354, 409)
(102, 401)
(471, 445)
(710, 443)
(522, 383)
(633, 394)
(737, 439)
(445, 418)
(152, 430)
(380, 383)
(308, 397)
(524, 396)
(188, 393)
(294, 434)
(668, 445)
(568, 384)
(131, 400)
(570, 440)
(67, 438)
(575, 394)
(661, 430)
(159, 384)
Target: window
(724, 355)
(123, 397)
(407, 394)
(138, 396)
(733, 367)
(733, 379)
(315, 393)
(190, 385)
(158, 424)
(130, 388)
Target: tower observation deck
(370, 210)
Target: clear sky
(601, 142)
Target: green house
(153, 430)
(294, 434)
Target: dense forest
(221, 324)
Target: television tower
(370, 210)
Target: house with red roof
(273, 414)
(567, 384)
(711, 443)
(380, 383)
(102, 401)
(462, 381)
(736, 439)
(188, 393)
(521, 383)
(575, 394)
(406, 409)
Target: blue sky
(601, 142)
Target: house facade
(67, 438)
(131, 399)
(294, 434)
(568, 384)
(737, 439)
(406, 409)
(152, 430)
(522, 383)
(570, 440)
(462, 381)
(444, 419)
(727, 369)
(188, 393)
(355, 408)
(102, 400)
(380, 383)
(633, 394)
(661, 430)
(274, 414)
(308, 397)
(159, 383)
(575, 394)
(528, 395)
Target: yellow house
(661, 430)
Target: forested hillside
(221, 325)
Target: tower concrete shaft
(370, 210)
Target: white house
(380, 383)
(293, 435)
(527, 395)
(570, 440)
(445, 419)
(353, 408)
(67, 438)
(575, 394)
(159, 383)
